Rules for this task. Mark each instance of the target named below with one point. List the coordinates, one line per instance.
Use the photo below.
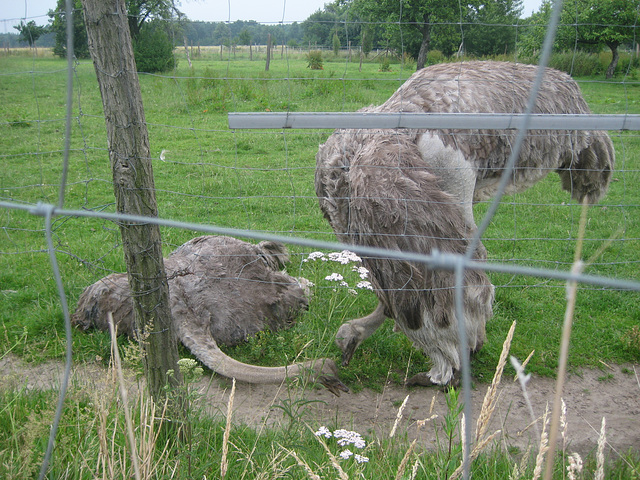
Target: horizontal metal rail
(465, 121)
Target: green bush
(408, 61)
(153, 49)
(336, 44)
(580, 64)
(385, 64)
(314, 59)
(435, 56)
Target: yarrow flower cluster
(315, 256)
(334, 277)
(190, 369)
(362, 271)
(345, 438)
(344, 257)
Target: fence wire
(205, 137)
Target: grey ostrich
(413, 190)
(222, 291)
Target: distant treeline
(242, 32)
(12, 40)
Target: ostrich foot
(333, 384)
(420, 380)
(424, 379)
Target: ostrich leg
(352, 333)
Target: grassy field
(263, 180)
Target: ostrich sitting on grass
(413, 190)
(222, 291)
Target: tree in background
(141, 14)
(410, 25)
(598, 23)
(153, 49)
(143, 11)
(336, 44)
(30, 32)
(489, 28)
(222, 34)
(58, 25)
(534, 30)
(245, 37)
(337, 18)
(588, 25)
(366, 39)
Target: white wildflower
(344, 257)
(190, 369)
(334, 277)
(361, 458)
(347, 437)
(364, 285)
(345, 454)
(344, 284)
(362, 271)
(187, 363)
(352, 292)
(315, 256)
(323, 432)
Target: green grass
(263, 180)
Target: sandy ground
(612, 392)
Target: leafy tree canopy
(141, 12)
(416, 26)
(30, 32)
(58, 25)
(490, 27)
(588, 24)
(596, 22)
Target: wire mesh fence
(222, 174)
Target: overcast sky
(263, 11)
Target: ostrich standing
(413, 190)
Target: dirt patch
(613, 393)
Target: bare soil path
(613, 393)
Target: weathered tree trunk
(128, 143)
(615, 56)
(426, 41)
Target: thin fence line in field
(435, 260)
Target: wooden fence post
(266, 68)
(128, 143)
